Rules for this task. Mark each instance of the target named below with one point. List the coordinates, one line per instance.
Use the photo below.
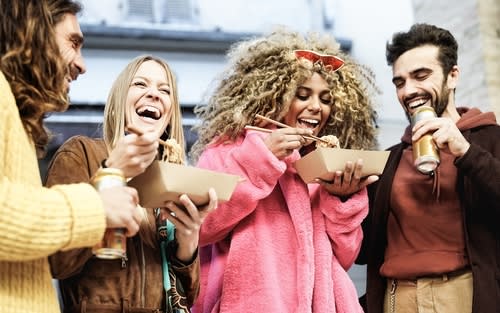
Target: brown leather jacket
(89, 284)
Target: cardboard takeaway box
(163, 181)
(324, 162)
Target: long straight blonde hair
(114, 111)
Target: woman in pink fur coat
(279, 244)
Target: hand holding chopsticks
(310, 137)
(138, 132)
(133, 154)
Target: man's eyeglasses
(330, 62)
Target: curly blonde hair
(262, 78)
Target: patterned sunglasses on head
(329, 62)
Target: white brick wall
(489, 13)
(476, 26)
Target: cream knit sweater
(36, 221)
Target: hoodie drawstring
(436, 190)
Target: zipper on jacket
(124, 261)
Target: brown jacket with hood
(89, 284)
(478, 190)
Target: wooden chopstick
(138, 132)
(312, 137)
(267, 130)
(264, 130)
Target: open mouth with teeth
(149, 112)
(307, 123)
(413, 104)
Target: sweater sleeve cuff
(87, 215)
(256, 156)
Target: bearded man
(432, 241)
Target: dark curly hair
(31, 61)
(424, 34)
(262, 78)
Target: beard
(71, 76)
(442, 101)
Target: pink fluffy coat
(278, 245)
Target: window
(160, 11)
(178, 10)
(140, 11)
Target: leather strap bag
(175, 295)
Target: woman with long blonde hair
(144, 95)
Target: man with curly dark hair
(431, 239)
(40, 54)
